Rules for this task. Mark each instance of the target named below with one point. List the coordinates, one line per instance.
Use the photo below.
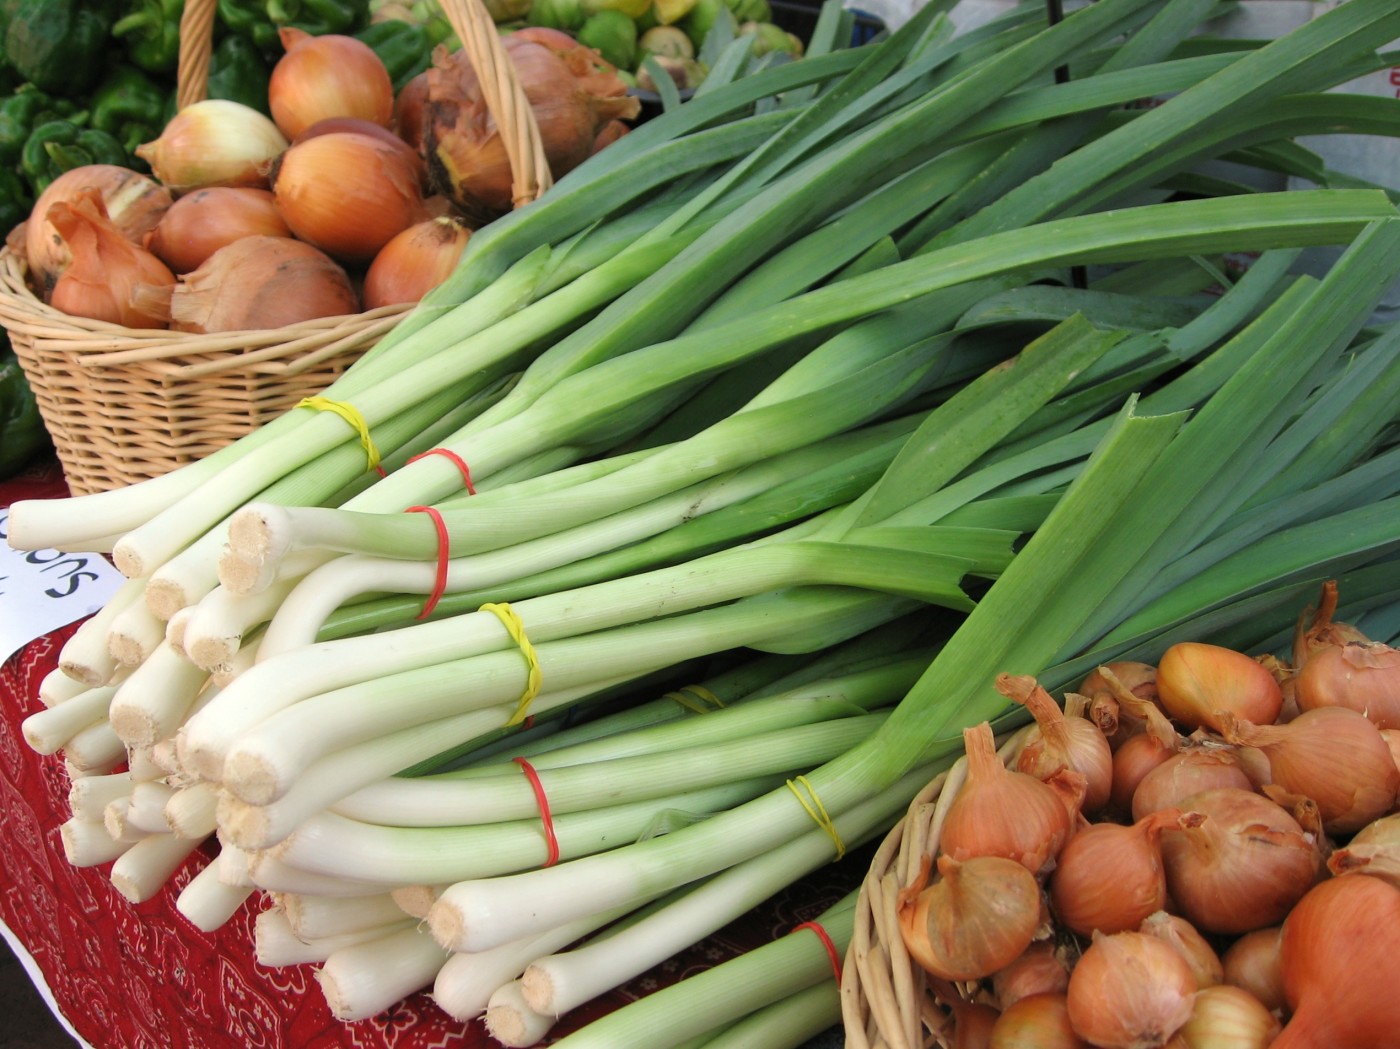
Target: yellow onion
(1361, 675)
(1109, 877)
(1373, 850)
(1058, 741)
(968, 1025)
(1225, 1017)
(409, 111)
(1205, 964)
(415, 262)
(1252, 962)
(1041, 969)
(1338, 953)
(1001, 812)
(1392, 740)
(133, 204)
(977, 917)
(1040, 1021)
(202, 222)
(1242, 867)
(1195, 681)
(261, 282)
(573, 95)
(327, 76)
(1317, 630)
(347, 193)
(1187, 772)
(1104, 686)
(1129, 991)
(214, 143)
(1334, 755)
(106, 269)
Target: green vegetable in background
(22, 111)
(60, 45)
(404, 48)
(556, 14)
(248, 19)
(614, 35)
(60, 145)
(238, 72)
(319, 17)
(15, 200)
(129, 106)
(22, 433)
(751, 10)
(151, 32)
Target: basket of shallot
(1202, 852)
(160, 317)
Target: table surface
(142, 977)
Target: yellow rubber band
(516, 629)
(817, 811)
(351, 415)
(696, 698)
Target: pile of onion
(1175, 855)
(335, 185)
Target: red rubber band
(457, 461)
(831, 950)
(545, 817)
(440, 582)
(381, 471)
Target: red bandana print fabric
(143, 977)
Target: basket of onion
(159, 318)
(1195, 854)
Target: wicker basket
(123, 405)
(886, 999)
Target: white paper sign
(42, 590)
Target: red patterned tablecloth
(142, 977)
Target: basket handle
(500, 86)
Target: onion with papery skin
(971, 1023)
(1338, 952)
(1317, 630)
(349, 218)
(1374, 850)
(978, 917)
(202, 222)
(415, 262)
(409, 111)
(1041, 969)
(261, 282)
(1000, 812)
(1140, 679)
(1058, 741)
(1226, 1017)
(1252, 962)
(1132, 762)
(1040, 1021)
(1242, 867)
(1364, 676)
(106, 269)
(1188, 772)
(1334, 755)
(365, 127)
(572, 94)
(1392, 740)
(133, 202)
(327, 76)
(1129, 991)
(214, 143)
(1109, 877)
(1205, 964)
(1197, 680)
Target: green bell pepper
(248, 19)
(22, 111)
(129, 106)
(15, 200)
(60, 145)
(238, 72)
(22, 433)
(319, 17)
(60, 45)
(151, 32)
(404, 48)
